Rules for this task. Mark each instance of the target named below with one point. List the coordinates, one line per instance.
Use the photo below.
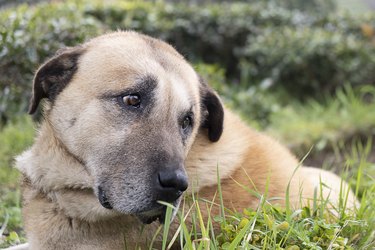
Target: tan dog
(127, 123)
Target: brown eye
(186, 123)
(132, 100)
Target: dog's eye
(132, 100)
(186, 123)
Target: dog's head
(129, 108)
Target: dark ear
(54, 75)
(212, 112)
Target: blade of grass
(243, 231)
(167, 222)
(154, 237)
(220, 195)
(2, 229)
(287, 194)
(179, 228)
(186, 233)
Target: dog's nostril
(176, 180)
(103, 198)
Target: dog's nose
(172, 184)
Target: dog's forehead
(117, 60)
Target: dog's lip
(150, 216)
(103, 199)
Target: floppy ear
(212, 110)
(54, 75)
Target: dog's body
(126, 122)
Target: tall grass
(350, 112)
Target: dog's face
(128, 107)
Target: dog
(128, 122)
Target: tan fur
(249, 158)
(61, 170)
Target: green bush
(347, 24)
(320, 7)
(28, 35)
(308, 60)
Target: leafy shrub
(309, 61)
(321, 7)
(28, 35)
(348, 24)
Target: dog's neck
(42, 164)
(61, 177)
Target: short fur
(89, 139)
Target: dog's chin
(158, 214)
(153, 215)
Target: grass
(271, 227)
(350, 112)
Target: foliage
(321, 7)
(14, 138)
(309, 60)
(306, 229)
(28, 35)
(350, 113)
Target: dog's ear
(212, 111)
(53, 76)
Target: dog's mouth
(158, 213)
(145, 217)
(153, 212)
(103, 199)
(153, 215)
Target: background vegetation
(302, 71)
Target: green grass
(272, 227)
(346, 115)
